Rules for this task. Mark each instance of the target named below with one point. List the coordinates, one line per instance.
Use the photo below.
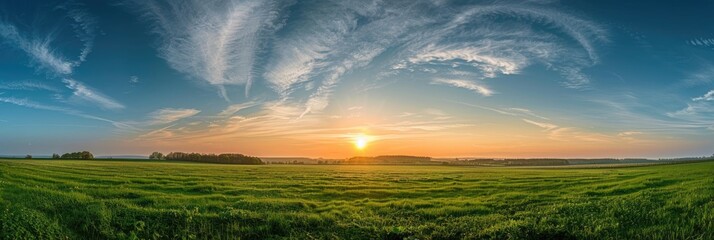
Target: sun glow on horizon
(360, 142)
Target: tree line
(74, 155)
(228, 158)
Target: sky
(535, 78)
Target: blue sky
(539, 78)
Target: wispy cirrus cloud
(509, 111)
(553, 131)
(702, 42)
(44, 57)
(632, 113)
(85, 27)
(307, 57)
(436, 40)
(27, 85)
(37, 49)
(233, 109)
(169, 115)
(481, 57)
(699, 108)
(585, 33)
(466, 84)
(558, 133)
(709, 96)
(155, 122)
(526, 112)
(215, 41)
(84, 93)
(699, 113)
(546, 126)
(31, 104)
(493, 50)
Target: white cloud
(304, 59)
(709, 96)
(466, 84)
(37, 49)
(495, 47)
(516, 112)
(27, 85)
(214, 41)
(546, 126)
(85, 27)
(480, 56)
(331, 43)
(133, 79)
(526, 112)
(30, 104)
(629, 133)
(585, 32)
(233, 109)
(698, 109)
(702, 42)
(84, 93)
(169, 115)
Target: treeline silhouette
(74, 155)
(228, 158)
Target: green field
(48, 199)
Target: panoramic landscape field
(102, 199)
(356, 119)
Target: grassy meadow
(65, 199)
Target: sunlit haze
(335, 79)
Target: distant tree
(78, 155)
(28, 156)
(55, 156)
(86, 155)
(156, 155)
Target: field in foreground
(155, 200)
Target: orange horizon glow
(520, 142)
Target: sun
(360, 142)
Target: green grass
(161, 200)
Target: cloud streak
(31, 104)
(169, 115)
(466, 85)
(27, 85)
(709, 96)
(85, 93)
(546, 126)
(235, 108)
(702, 42)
